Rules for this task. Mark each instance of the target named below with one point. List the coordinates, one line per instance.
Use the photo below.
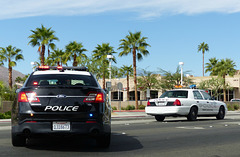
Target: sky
(174, 29)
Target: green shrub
(123, 108)
(141, 107)
(114, 108)
(130, 107)
(230, 107)
(235, 106)
(6, 115)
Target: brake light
(177, 103)
(35, 83)
(22, 97)
(148, 103)
(94, 98)
(28, 97)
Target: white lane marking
(189, 127)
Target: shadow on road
(185, 120)
(119, 142)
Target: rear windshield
(175, 94)
(62, 80)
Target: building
(121, 95)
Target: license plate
(61, 126)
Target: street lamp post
(110, 57)
(181, 64)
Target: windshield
(175, 94)
(62, 80)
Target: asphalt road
(206, 137)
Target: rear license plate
(61, 126)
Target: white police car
(185, 102)
(61, 101)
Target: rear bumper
(46, 128)
(167, 110)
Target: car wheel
(221, 113)
(103, 141)
(192, 116)
(160, 118)
(18, 141)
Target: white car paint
(195, 98)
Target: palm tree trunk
(74, 60)
(42, 54)
(135, 77)
(9, 74)
(203, 64)
(128, 87)
(224, 89)
(104, 80)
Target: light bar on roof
(45, 67)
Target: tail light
(148, 103)
(94, 98)
(28, 97)
(177, 103)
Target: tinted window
(206, 95)
(175, 94)
(62, 80)
(197, 95)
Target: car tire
(103, 141)
(221, 113)
(18, 141)
(192, 116)
(160, 118)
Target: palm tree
(75, 51)
(170, 80)
(10, 54)
(203, 47)
(100, 54)
(56, 57)
(211, 66)
(127, 71)
(225, 67)
(136, 45)
(43, 37)
(221, 68)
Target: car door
(210, 106)
(200, 102)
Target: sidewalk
(129, 114)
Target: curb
(128, 111)
(5, 120)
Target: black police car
(61, 101)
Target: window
(206, 95)
(175, 94)
(62, 80)
(197, 95)
(153, 94)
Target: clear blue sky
(174, 28)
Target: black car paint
(36, 120)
